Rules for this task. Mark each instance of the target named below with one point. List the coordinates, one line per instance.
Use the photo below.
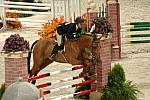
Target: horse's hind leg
(34, 81)
(35, 70)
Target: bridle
(91, 52)
(94, 57)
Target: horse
(74, 53)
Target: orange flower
(49, 28)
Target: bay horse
(73, 54)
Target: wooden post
(78, 8)
(3, 16)
(67, 11)
(52, 8)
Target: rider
(66, 29)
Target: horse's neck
(85, 41)
(73, 49)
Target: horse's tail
(29, 56)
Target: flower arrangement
(84, 29)
(49, 28)
(84, 17)
(13, 24)
(15, 43)
(102, 26)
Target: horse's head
(89, 53)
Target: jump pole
(139, 35)
(58, 72)
(139, 29)
(75, 94)
(138, 23)
(139, 41)
(62, 80)
(69, 86)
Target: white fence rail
(54, 8)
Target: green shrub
(117, 75)
(31, 1)
(2, 90)
(125, 91)
(90, 71)
(21, 14)
(83, 88)
(118, 88)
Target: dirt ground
(135, 57)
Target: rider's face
(80, 25)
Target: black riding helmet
(79, 20)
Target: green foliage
(118, 88)
(124, 91)
(2, 90)
(21, 14)
(83, 88)
(83, 31)
(31, 1)
(117, 75)
(15, 0)
(24, 15)
(90, 71)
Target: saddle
(61, 48)
(68, 33)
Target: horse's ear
(96, 36)
(99, 36)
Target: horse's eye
(94, 46)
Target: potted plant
(101, 27)
(15, 43)
(118, 88)
(15, 52)
(12, 24)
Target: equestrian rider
(67, 31)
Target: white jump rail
(54, 8)
(29, 12)
(28, 4)
(26, 7)
(24, 20)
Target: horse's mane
(87, 35)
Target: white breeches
(59, 39)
